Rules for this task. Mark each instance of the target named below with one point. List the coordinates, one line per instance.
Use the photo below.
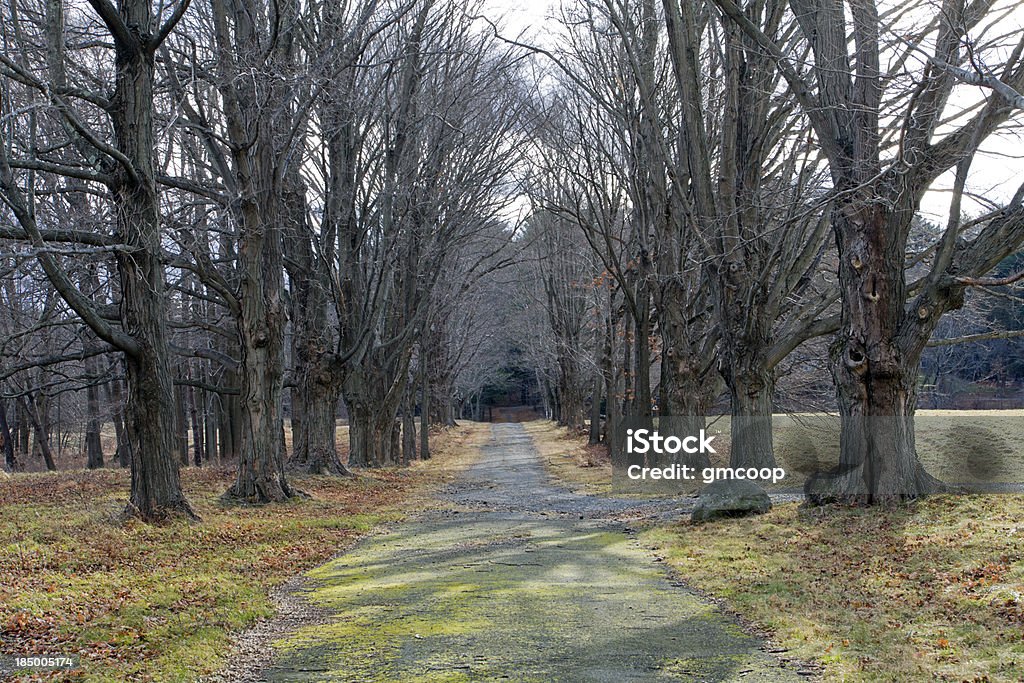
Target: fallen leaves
(932, 590)
(75, 579)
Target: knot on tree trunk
(856, 361)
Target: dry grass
(933, 591)
(156, 603)
(930, 591)
(568, 458)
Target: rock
(730, 498)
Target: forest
(316, 238)
(219, 217)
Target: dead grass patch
(156, 603)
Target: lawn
(928, 591)
(933, 590)
(157, 603)
(967, 447)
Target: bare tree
(887, 136)
(128, 174)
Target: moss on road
(516, 580)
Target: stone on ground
(730, 498)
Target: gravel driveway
(513, 578)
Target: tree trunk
(198, 431)
(875, 372)
(6, 441)
(750, 394)
(371, 438)
(180, 425)
(149, 417)
(210, 424)
(22, 429)
(424, 412)
(116, 400)
(315, 443)
(42, 438)
(594, 436)
(261, 477)
(93, 442)
(409, 425)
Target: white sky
(997, 170)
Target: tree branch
(1001, 334)
(168, 26)
(108, 13)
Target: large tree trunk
(261, 477)
(744, 344)
(318, 372)
(93, 422)
(149, 423)
(594, 435)
(198, 430)
(314, 444)
(689, 382)
(209, 413)
(570, 394)
(424, 386)
(371, 438)
(41, 432)
(409, 425)
(116, 400)
(875, 372)
(373, 399)
(149, 417)
(22, 429)
(93, 442)
(255, 131)
(750, 394)
(180, 424)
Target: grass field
(955, 446)
(156, 603)
(928, 591)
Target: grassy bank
(568, 458)
(140, 603)
(930, 591)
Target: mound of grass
(156, 603)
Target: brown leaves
(75, 579)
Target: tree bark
(42, 437)
(254, 130)
(750, 394)
(594, 435)
(149, 418)
(874, 368)
(315, 443)
(116, 400)
(424, 410)
(409, 425)
(93, 442)
(6, 441)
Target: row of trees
(748, 178)
(215, 202)
(220, 208)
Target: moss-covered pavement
(514, 579)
